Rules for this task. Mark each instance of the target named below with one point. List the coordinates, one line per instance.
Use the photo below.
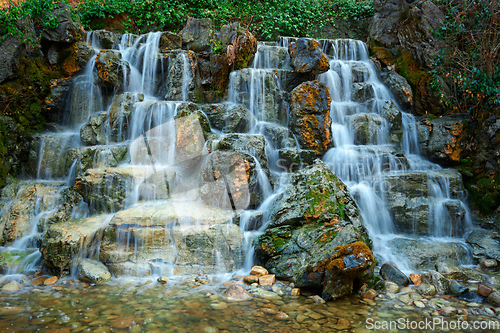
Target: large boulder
(237, 172)
(20, 203)
(66, 242)
(176, 236)
(66, 30)
(197, 34)
(313, 216)
(484, 244)
(309, 117)
(93, 271)
(368, 128)
(120, 114)
(423, 254)
(228, 118)
(447, 135)
(306, 57)
(413, 202)
(95, 157)
(94, 131)
(110, 69)
(399, 87)
(169, 41)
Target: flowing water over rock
(151, 183)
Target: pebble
(342, 324)
(484, 291)
(270, 311)
(162, 279)
(391, 287)
(488, 263)
(295, 292)
(370, 294)
(50, 281)
(251, 279)
(448, 311)
(267, 280)
(494, 298)
(282, 316)
(219, 306)
(415, 279)
(419, 304)
(258, 271)
(11, 286)
(122, 322)
(317, 299)
(38, 281)
(426, 289)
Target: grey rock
(228, 118)
(390, 272)
(362, 92)
(93, 271)
(66, 31)
(422, 255)
(293, 159)
(484, 244)
(394, 119)
(494, 298)
(399, 87)
(253, 144)
(279, 136)
(464, 274)
(197, 33)
(120, 114)
(368, 128)
(306, 57)
(456, 288)
(170, 41)
(180, 82)
(105, 39)
(277, 57)
(426, 289)
(94, 131)
(437, 280)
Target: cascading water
(144, 181)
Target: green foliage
(268, 19)
(35, 10)
(470, 62)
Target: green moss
(484, 193)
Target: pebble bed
(198, 306)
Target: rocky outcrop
(182, 236)
(399, 87)
(197, 34)
(180, 83)
(67, 242)
(93, 271)
(394, 119)
(236, 173)
(66, 30)
(307, 58)
(228, 118)
(315, 215)
(111, 69)
(120, 114)
(94, 131)
(485, 244)
(367, 127)
(443, 139)
(412, 199)
(310, 116)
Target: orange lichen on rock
(453, 149)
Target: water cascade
(146, 164)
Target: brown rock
(370, 294)
(295, 292)
(282, 316)
(415, 279)
(162, 279)
(258, 270)
(270, 311)
(484, 291)
(237, 293)
(267, 280)
(342, 324)
(318, 300)
(38, 281)
(251, 279)
(122, 322)
(50, 281)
